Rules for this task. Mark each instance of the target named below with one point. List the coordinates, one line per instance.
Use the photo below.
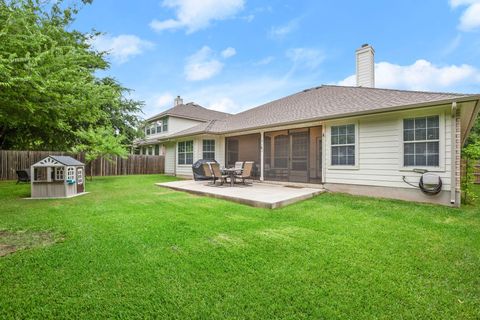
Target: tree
(98, 143)
(471, 156)
(48, 87)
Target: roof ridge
(397, 90)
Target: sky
(232, 55)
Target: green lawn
(130, 249)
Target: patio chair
(208, 172)
(22, 176)
(238, 167)
(247, 172)
(217, 174)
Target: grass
(130, 249)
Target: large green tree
(48, 88)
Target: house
(159, 128)
(360, 140)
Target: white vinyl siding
(380, 151)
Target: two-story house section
(160, 127)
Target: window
(157, 149)
(70, 173)
(159, 126)
(147, 131)
(165, 124)
(80, 175)
(150, 150)
(59, 173)
(209, 149)
(421, 139)
(343, 145)
(185, 152)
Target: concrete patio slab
(263, 195)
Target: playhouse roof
(56, 160)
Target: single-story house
(360, 140)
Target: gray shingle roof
(68, 161)
(324, 102)
(192, 111)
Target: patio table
(231, 173)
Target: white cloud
(202, 65)
(422, 75)
(229, 52)
(223, 104)
(470, 19)
(195, 15)
(163, 100)
(305, 57)
(279, 32)
(122, 47)
(264, 61)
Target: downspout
(453, 154)
(262, 138)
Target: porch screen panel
(244, 148)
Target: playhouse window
(59, 173)
(70, 173)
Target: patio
(259, 194)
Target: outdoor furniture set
(240, 173)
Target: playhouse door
(80, 187)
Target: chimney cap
(365, 45)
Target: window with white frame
(70, 173)
(421, 141)
(185, 152)
(159, 126)
(343, 145)
(165, 124)
(59, 173)
(209, 149)
(147, 131)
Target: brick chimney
(178, 101)
(365, 57)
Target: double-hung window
(343, 145)
(209, 149)
(421, 140)
(165, 124)
(159, 126)
(185, 152)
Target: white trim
(453, 151)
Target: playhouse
(57, 177)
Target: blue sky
(231, 55)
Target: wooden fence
(10, 161)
